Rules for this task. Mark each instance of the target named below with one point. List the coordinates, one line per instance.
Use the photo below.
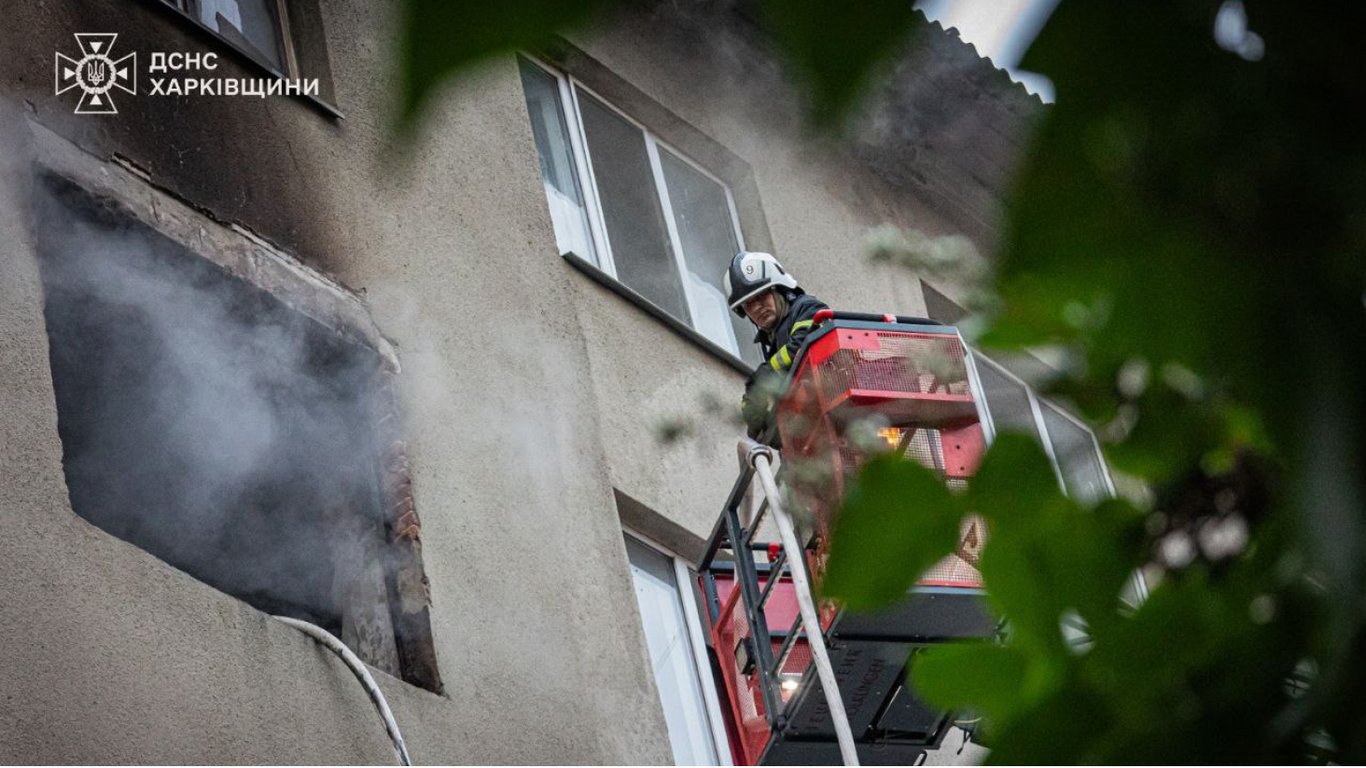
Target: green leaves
(1149, 686)
(978, 676)
(1164, 192)
(1046, 554)
(896, 522)
(1048, 561)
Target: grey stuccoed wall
(529, 395)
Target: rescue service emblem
(96, 73)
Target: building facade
(258, 358)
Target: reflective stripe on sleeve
(780, 360)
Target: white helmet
(750, 274)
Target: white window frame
(1036, 404)
(684, 577)
(1095, 441)
(1138, 583)
(569, 87)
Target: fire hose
(761, 458)
(358, 668)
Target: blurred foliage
(1190, 226)
(896, 522)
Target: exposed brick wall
(396, 480)
(409, 590)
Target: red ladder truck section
(862, 385)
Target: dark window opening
(285, 38)
(239, 440)
(254, 27)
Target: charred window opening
(239, 440)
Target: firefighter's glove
(760, 402)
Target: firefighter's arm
(781, 360)
(761, 394)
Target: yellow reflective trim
(800, 324)
(780, 360)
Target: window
(638, 209)
(1011, 403)
(258, 28)
(1076, 452)
(668, 613)
(1015, 407)
(209, 423)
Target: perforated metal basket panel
(897, 362)
(961, 569)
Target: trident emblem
(96, 73)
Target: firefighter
(758, 288)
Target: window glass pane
(561, 180)
(675, 668)
(1007, 400)
(706, 230)
(636, 231)
(250, 25)
(1075, 448)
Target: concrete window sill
(671, 322)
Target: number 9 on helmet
(750, 274)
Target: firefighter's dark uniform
(780, 347)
